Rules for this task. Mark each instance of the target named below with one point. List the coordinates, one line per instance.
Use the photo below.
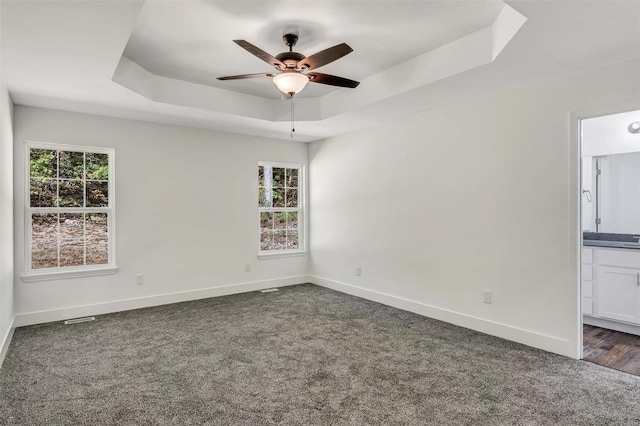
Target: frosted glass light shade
(290, 82)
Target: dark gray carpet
(303, 355)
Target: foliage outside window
(279, 204)
(69, 211)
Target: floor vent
(269, 290)
(79, 320)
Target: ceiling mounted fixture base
(290, 40)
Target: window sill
(60, 275)
(266, 256)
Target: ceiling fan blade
(256, 51)
(324, 57)
(243, 76)
(331, 80)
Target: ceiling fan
(293, 67)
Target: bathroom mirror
(611, 193)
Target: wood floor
(612, 349)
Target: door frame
(575, 198)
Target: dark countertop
(601, 239)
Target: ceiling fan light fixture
(634, 127)
(290, 83)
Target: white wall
(475, 196)
(6, 219)
(186, 212)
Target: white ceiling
(193, 42)
(158, 60)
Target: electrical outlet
(358, 271)
(486, 296)
(139, 279)
(247, 267)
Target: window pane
(44, 243)
(264, 197)
(292, 220)
(292, 240)
(280, 220)
(280, 240)
(71, 193)
(71, 226)
(98, 251)
(266, 221)
(292, 178)
(261, 176)
(44, 226)
(43, 192)
(292, 198)
(266, 241)
(44, 254)
(278, 197)
(97, 194)
(71, 164)
(42, 163)
(71, 252)
(278, 177)
(97, 166)
(97, 226)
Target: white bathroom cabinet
(611, 288)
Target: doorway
(609, 238)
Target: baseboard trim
(40, 317)
(612, 325)
(4, 348)
(527, 337)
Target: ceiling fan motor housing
(290, 59)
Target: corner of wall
(4, 346)
(7, 302)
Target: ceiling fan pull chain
(292, 117)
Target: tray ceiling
(193, 41)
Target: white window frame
(69, 271)
(301, 250)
